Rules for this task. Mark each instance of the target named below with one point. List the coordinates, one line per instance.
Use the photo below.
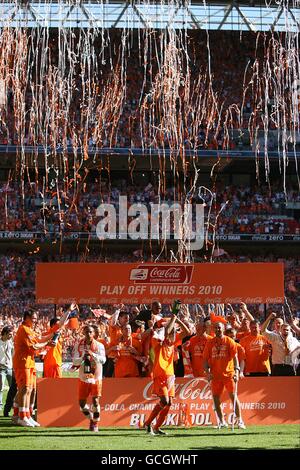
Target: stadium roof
(233, 15)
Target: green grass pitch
(201, 438)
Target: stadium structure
(212, 15)
(238, 164)
(160, 101)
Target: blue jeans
(4, 374)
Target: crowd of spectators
(244, 209)
(227, 68)
(17, 282)
(234, 317)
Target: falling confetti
(70, 93)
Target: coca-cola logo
(254, 300)
(171, 273)
(194, 389)
(275, 300)
(162, 274)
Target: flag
(219, 252)
(100, 312)
(73, 323)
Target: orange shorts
(25, 377)
(217, 386)
(85, 390)
(52, 372)
(164, 386)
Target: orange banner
(128, 283)
(127, 402)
